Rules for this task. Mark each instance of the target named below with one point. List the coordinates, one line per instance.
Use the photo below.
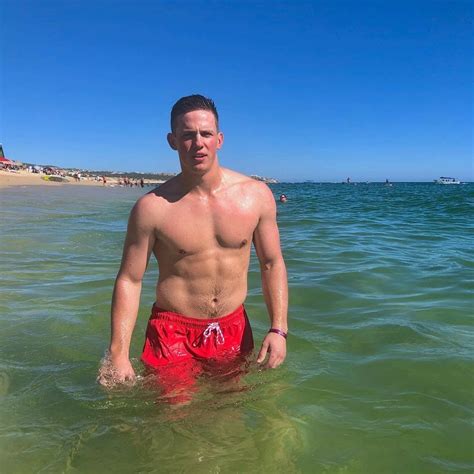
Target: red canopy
(6, 161)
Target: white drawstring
(214, 327)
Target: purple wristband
(279, 331)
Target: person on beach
(200, 226)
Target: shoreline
(25, 178)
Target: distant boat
(446, 180)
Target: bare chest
(192, 228)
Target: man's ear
(220, 140)
(171, 141)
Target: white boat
(446, 180)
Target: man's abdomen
(201, 296)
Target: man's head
(195, 134)
(191, 103)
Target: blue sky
(316, 90)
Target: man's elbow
(272, 264)
(128, 279)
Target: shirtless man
(200, 226)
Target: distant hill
(158, 176)
(135, 175)
(131, 175)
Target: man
(199, 225)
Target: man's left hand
(275, 345)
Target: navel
(243, 243)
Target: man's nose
(198, 140)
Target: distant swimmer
(283, 198)
(200, 226)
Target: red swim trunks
(178, 348)
(172, 338)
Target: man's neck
(205, 184)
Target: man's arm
(274, 279)
(138, 246)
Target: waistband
(159, 313)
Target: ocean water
(379, 374)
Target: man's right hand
(115, 370)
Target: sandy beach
(25, 178)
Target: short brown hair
(190, 103)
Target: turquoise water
(378, 377)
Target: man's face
(196, 140)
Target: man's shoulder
(246, 182)
(146, 201)
(152, 204)
(251, 190)
(166, 192)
